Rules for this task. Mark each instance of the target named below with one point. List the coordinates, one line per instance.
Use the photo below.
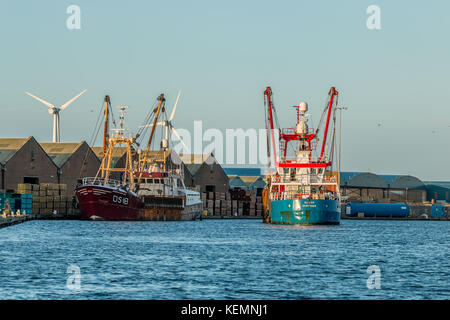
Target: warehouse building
(236, 183)
(246, 179)
(22, 160)
(370, 187)
(205, 171)
(255, 184)
(438, 191)
(119, 158)
(74, 160)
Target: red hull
(107, 203)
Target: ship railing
(101, 182)
(303, 179)
(327, 195)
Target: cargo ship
(146, 189)
(302, 189)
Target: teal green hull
(305, 212)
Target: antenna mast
(106, 127)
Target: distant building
(22, 160)
(237, 183)
(255, 184)
(439, 191)
(365, 186)
(74, 160)
(119, 158)
(206, 172)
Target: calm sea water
(216, 259)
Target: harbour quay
(6, 221)
(38, 179)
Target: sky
(222, 54)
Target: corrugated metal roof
(236, 182)
(346, 176)
(409, 182)
(193, 168)
(372, 180)
(118, 152)
(9, 146)
(389, 178)
(258, 183)
(443, 184)
(367, 180)
(60, 152)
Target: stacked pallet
(16, 202)
(246, 203)
(217, 203)
(233, 203)
(53, 199)
(46, 198)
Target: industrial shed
(408, 188)
(206, 172)
(363, 186)
(237, 183)
(366, 186)
(74, 160)
(255, 184)
(119, 156)
(22, 160)
(438, 191)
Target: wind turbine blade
(48, 104)
(161, 123)
(174, 107)
(65, 105)
(179, 138)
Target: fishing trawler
(146, 188)
(302, 188)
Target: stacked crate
(219, 204)
(24, 188)
(26, 197)
(2, 201)
(52, 197)
(259, 206)
(36, 198)
(246, 203)
(204, 199)
(16, 202)
(26, 203)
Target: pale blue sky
(222, 54)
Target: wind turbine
(55, 111)
(169, 127)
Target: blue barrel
(438, 211)
(382, 210)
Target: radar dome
(303, 107)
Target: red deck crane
(290, 134)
